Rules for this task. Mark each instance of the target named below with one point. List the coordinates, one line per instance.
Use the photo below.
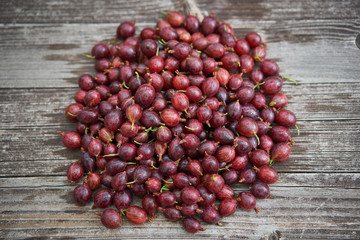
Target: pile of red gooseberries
(178, 116)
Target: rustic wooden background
(42, 45)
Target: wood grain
(310, 101)
(65, 60)
(309, 210)
(83, 12)
(42, 44)
(316, 139)
(68, 11)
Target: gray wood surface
(42, 45)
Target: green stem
(154, 130)
(162, 42)
(157, 51)
(148, 129)
(200, 101)
(124, 85)
(137, 75)
(272, 104)
(89, 56)
(164, 188)
(152, 140)
(298, 131)
(111, 155)
(189, 128)
(258, 140)
(220, 169)
(271, 162)
(163, 12)
(259, 84)
(289, 79)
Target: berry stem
(298, 131)
(124, 85)
(148, 130)
(289, 79)
(89, 56)
(271, 162)
(259, 84)
(257, 138)
(111, 155)
(189, 128)
(200, 101)
(164, 188)
(162, 42)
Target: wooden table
(42, 45)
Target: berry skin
(125, 30)
(179, 115)
(110, 218)
(71, 140)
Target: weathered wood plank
(42, 56)
(321, 162)
(113, 11)
(83, 12)
(311, 208)
(316, 139)
(276, 10)
(45, 107)
(245, 229)
(291, 180)
(55, 61)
